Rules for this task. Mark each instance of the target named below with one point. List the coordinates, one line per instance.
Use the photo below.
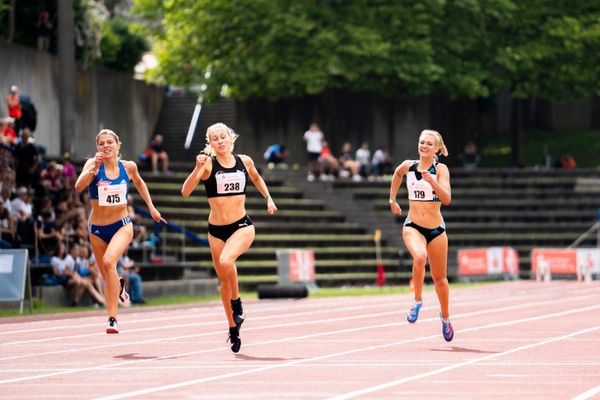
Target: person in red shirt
(7, 133)
(13, 103)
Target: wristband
(393, 201)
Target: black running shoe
(123, 295)
(234, 339)
(238, 312)
(112, 326)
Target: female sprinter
(424, 233)
(110, 226)
(230, 229)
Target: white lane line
(587, 394)
(216, 309)
(318, 304)
(397, 382)
(377, 347)
(159, 327)
(302, 323)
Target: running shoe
(112, 326)
(413, 313)
(447, 329)
(238, 312)
(123, 295)
(234, 339)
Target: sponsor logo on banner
(302, 266)
(488, 261)
(472, 262)
(588, 260)
(558, 261)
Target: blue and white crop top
(419, 189)
(110, 192)
(226, 181)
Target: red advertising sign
(302, 266)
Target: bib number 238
(230, 182)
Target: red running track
(514, 340)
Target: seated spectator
(48, 236)
(13, 104)
(469, 157)
(63, 269)
(159, 153)
(21, 208)
(275, 154)
(8, 136)
(349, 164)
(69, 172)
(52, 181)
(363, 157)
(27, 161)
(86, 266)
(8, 228)
(127, 269)
(329, 164)
(139, 230)
(568, 162)
(382, 163)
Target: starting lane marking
(397, 382)
(284, 325)
(377, 347)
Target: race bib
(231, 182)
(112, 195)
(421, 190)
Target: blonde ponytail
(439, 142)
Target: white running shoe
(112, 327)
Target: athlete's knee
(440, 280)
(420, 258)
(106, 264)
(227, 262)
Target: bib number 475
(113, 198)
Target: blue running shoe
(413, 314)
(447, 329)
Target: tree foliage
(100, 35)
(460, 48)
(120, 48)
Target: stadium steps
(522, 208)
(344, 249)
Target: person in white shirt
(314, 144)
(21, 206)
(363, 157)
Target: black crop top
(226, 181)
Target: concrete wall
(104, 99)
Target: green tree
(550, 51)
(120, 48)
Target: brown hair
(108, 132)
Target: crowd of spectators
(324, 165)
(40, 211)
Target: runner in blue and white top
(424, 232)
(111, 231)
